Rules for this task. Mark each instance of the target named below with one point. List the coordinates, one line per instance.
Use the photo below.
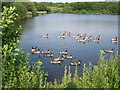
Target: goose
(81, 40)
(49, 55)
(65, 32)
(114, 40)
(59, 59)
(76, 63)
(77, 37)
(68, 33)
(88, 38)
(63, 52)
(33, 49)
(108, 51)
(36, 51)
(45, 36)
(97, 40)
(46, 52)
(68, 56)
(97, 37)
(55, 62)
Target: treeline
(29, 9)
(18, 72)
(85, 7)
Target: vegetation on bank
(84, 7)
(17, 71)
(23, 9)
(72, 8)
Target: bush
(17, 71)
(10, 34)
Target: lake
(54, 24)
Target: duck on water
(35, 50)
(49, 55)
(68, 56)
(108, 50)
(81, 40)
(59, 59)
(114, 40)
(45, 36)
(46, 51)
(55, 62)
(76, 63)
(63, 52)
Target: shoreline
(83, 14)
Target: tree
(42, 7)
(30, 7)
(21, 10)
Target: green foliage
(6, 4)
(17, 72)
(42, 7)
(73, 8)
(85, 7)
(30, 7)
(21, 10)
(23, 7)
(10, 34)
(14, 67)
(67, 9)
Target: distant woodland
(67, 8)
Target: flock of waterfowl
(48, 53)
(82, 37)
(64, 54)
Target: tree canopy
(74, 8)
